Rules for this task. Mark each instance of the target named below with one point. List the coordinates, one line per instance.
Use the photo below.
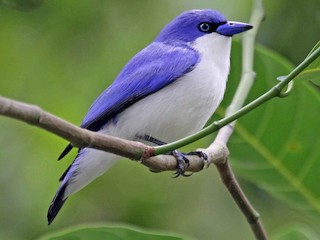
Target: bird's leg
(182, 160)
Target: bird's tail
(56, 204)
(87, 166)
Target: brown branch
(77, 136)
(229, 180)
(241, 200)
(80, 137)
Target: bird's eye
(205, 27)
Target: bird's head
(190, 25)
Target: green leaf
(277, 146)
(108, 232)
(295, 232)
(312, 72)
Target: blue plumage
(147, 72)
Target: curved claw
(182, 163)
(200, 154)
(181, 173)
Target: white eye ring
(204, 27)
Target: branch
(81, 138)
(77, 136)
(241, 200)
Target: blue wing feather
(153, 68)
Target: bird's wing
(150, 70)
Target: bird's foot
(183, 162)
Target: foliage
(273, 151)
(295, 232)
(107, 232)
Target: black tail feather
(56, 204)
(64, 174)
(65, 151)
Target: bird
(167, 91)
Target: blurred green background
(61, 55)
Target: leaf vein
(292, 179)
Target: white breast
(184, 106)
